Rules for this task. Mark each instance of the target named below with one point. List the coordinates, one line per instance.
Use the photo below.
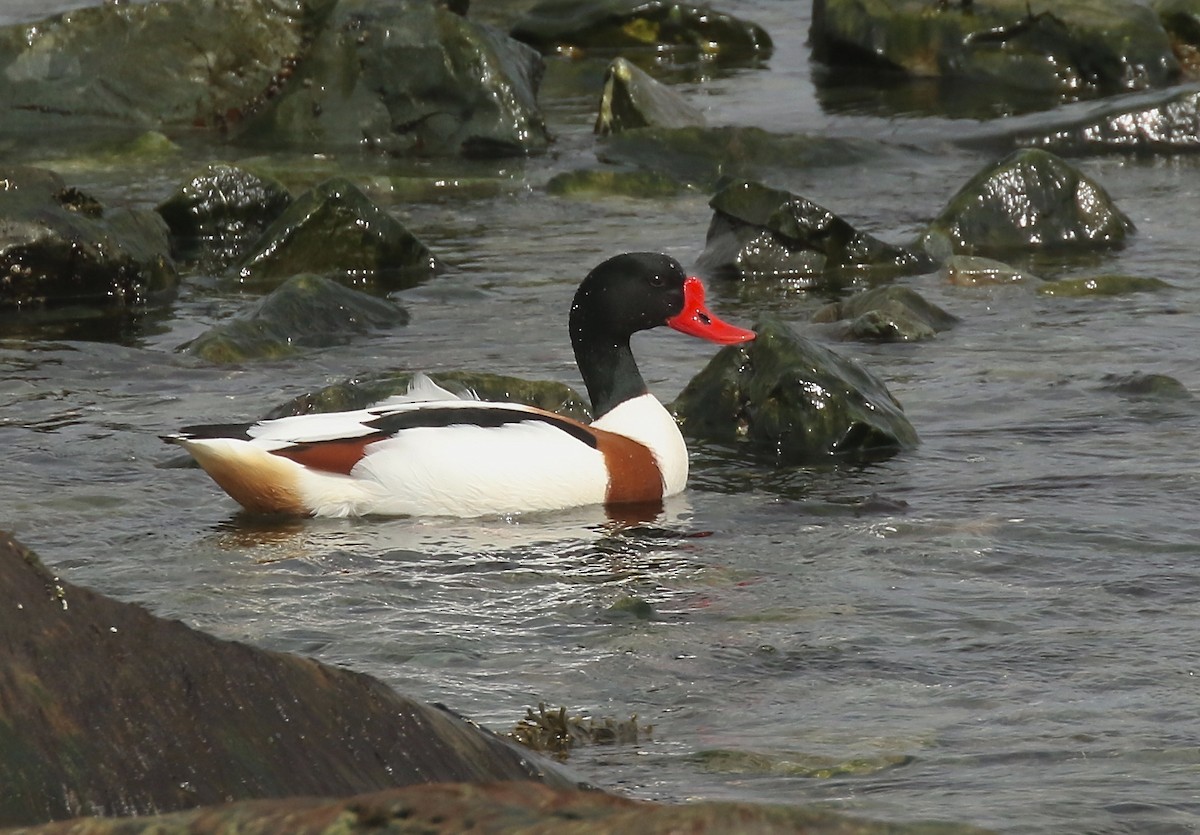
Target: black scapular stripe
(237, 431)
(393, 422)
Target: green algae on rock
(306, 311)
(888, 314)
(790, 400)
(335, 229)
(606, 182)
(759, 233)
(793, 763)
(977, 271)
(555, 733)
(687, 30)
(631, 98)
(1075, 49)
(1031, 200)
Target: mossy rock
(631, 98)
(790, 400)
(1032, 200)
(977, 271)
(362, 392)
(1141, 386)
(1102, 285)
(888, 314)
(607, 182)
(306, 311)
(759, 232)
(683, 29)
(335, 229)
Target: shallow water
(1000, 627)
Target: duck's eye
(657, 280)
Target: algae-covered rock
(1102, 285)
(1072, 48)
(631, 98)
(763, 233)
(793, 763)
(790, 400)
(220, 211)
(1031, 200)
(607, 182)
(336, 229)
(1181, 20)
(60, 247)
(109, 710)
(977, 271)
(556, 733)
(363, 392)
(406, 77)
(708, 157)
(306, 311)
(1142, 386)
(888, 314)
(687, 30)
(1163, 122)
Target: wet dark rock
(109, 710)
(398, 76)
(633, 99)
(60, 248)
(1102, 285)
(888, 314)
(710, 157)
(335, 229)
(306, 311)
(525, 807)
(688, 31)
(1031, 200)
(1158, 123)
(1181, 20)
(360, 393)
(976, 271)
(406, 77)
(606, 182)
(788, 399)
(1073, 49)
(219, 212)
(761, 233)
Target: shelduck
(431, 453)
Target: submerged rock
(687, 30)
(219, 212)
(306, 311)
(976, 271)
(59, 247)
(1142, 386)
(609, 183)
(1157, 123)
(360, 393)
(888, 314)
(763, 233)
(633, 99)
(335, 229)
(1073, 48)
(1102, 285)
(790, 400)
(1031, 200)
(110, 710)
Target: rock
(1102, 285)
(888, 314)
(219, 212)
(109, 710)
(790, 400)
(1154, 123)
(685, 30)
(761, 233)
(306, 311)
(335, 229)
(1181, 20)
(1031, 200)
(606, 182)
(633, 99)
(1073, 49)
(60, 247)
(524, 807)
(1142, 386)
(976, 271)
(360, 393)
(406, 77)
(710, 157)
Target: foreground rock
(397, 76)
(306, 311)
(1031, 200)
(792, 401)
(631, 98)
(110, 710)
(761, 233)
(60, 247)
(1071, 49)
(526, 808)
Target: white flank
(646, 420)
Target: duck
(431, 453)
